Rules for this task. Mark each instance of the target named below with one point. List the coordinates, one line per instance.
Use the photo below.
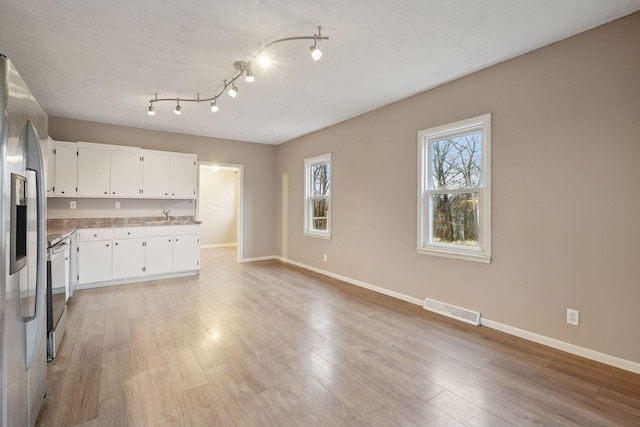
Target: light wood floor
(267, 344)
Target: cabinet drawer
(91, 234)
(129, 233)
(173, 230)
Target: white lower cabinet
(186, 252)
(95, 255)
(116, 254)
(159, 255)
(128, 252)
(173, 248)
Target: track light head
(248, 76)
(214, 107)
(233, 92)
(315, 52)
(264, 60)
(178, 109)
(151, 111)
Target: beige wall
(258, 160)
(566, 193)
(217, 195)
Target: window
(317, 208)
(454, 190)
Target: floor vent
(452, 311)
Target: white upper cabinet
(183, 176)
(94, 170)
(169, 175)
(66, 169)
(126, 172)
(109, 170)
(50, 166)
(156, 174)
(86, 169)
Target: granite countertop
(58, 229)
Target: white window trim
(425, 247)
(308, 231)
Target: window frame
(308, 197)
(425, 245)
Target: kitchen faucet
(166, 213)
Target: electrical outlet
(573, 317)
(324, 257)
(117, 205)
(72, 205)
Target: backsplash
(69, 223)
(59, 208)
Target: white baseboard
(218, 245)
(587, 353)
(365, 285)
(261, 258)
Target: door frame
(239, 202)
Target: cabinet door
(51, 166)
(186, 253)
(66, 170)
(183, 177)
(128, 258)
(159, 253)
(95, 261)
(156, 175)
(126, 174)
(94, 171)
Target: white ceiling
(103, 60)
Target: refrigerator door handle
(34, 163)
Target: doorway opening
(220, 206)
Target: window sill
(463, 256)
(325, 236)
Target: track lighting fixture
(248, 76)
(242, 68)
(315, 53)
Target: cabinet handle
(62, 192)
(166, 194)
(128, 233)
(106, 192)
(176, 240)
(115, 244)
(173, 194)
(113, 192)
(95, 235)
(107, 245)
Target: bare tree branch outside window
(320, 191)
(456, 173)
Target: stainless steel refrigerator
(23, 130)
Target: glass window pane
(457, 161)
(319, 214)
(320, 179)
(455, 219)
